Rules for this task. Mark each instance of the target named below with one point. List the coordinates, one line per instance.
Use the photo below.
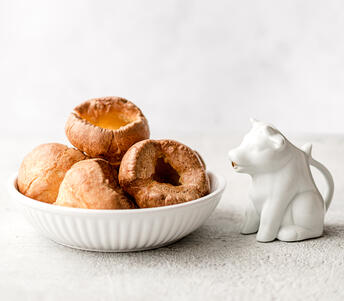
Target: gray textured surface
(213, 263)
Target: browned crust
(138, 166)
(106, 143)
(200, 159)
(43, 169)
(92, 184)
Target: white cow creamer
(284, 200)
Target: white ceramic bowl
(119, 230)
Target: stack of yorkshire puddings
(115, 165)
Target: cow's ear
(278, 141)
(276, 138)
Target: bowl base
(119, 250)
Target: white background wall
(194, 66)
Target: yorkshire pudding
(106, 127)
(43, 169)
(92, 184)
(162, 172)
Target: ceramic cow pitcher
(284, 200)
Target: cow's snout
(232, 157)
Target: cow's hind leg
(307, 218)
(296, 233)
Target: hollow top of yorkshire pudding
(106, 127)
(109, 112)
(162, 172)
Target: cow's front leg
(251, 222)
(270, 219)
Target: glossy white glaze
(284, 200)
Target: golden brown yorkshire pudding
(162, 172)
(106, 127)
(43, 169)
(92, 184)
(200, 159)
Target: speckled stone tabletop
(213, 263)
